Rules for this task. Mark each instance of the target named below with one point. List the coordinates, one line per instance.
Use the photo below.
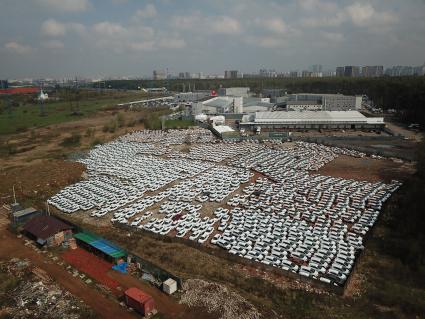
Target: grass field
(28, 116)
(178, 123)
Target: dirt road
(14, 247)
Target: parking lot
(261, 201)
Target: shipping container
(139, 301)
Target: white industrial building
(232, 104)
(234, 91)
(328, 102)
(269, 121)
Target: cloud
(275, 25)
(225, 25)
(18, 48)
(110, 29)
(54, 44)
(148, 12)
(53, 28)
(172, 43)
(332, 36)
(207, 24)
(360, 14)
(65, 5)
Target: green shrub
(73, 140)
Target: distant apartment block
(352, 71)
(373, 71)
(159, 75)
(232, 74)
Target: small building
(169, 286)
(23, 215)
(139, 301)
(48, 230)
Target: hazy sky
(57, 38)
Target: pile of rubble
(36, 296)
(217, 299)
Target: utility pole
(14, 194)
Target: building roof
(44, 227)
(223, 129)
(101, 244)
(304, 102)
(23, 212)
(138, 295)
(312, 117)
(218, 102)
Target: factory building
(329, 102)
(231, 104)
(234, 91)
(287, 120)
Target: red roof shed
(139, 301)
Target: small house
(48, 230)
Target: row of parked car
(170, 137)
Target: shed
(169, 286)
(100, 246)
(22, 215)
(139, 301)
(48, 230)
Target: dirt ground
(367, 169)
(15, 247)
(38, 169)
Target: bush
(90, 132)
(73, 140)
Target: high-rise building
(232, 74)
(316, 68)
(340, 71)
(352, 71)
(4, 84)
(373, 71)
(159, 75)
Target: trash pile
(36, 296)
(217, 299)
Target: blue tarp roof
(108, 248)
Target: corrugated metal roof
(138, 295)
(101, 244)
(45, 226)
(298, 117)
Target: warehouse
(311, 120)
(48, 230)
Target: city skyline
(92, 38)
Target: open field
(28, 116)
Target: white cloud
(65, 5)
(225, 25)
(54, 44)
(360, 14)
(53, 28)
(198, 23)
(18, 48)
(275, 25)
(110, 29)
(148, 12)
(266, 42)
(172, 43)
